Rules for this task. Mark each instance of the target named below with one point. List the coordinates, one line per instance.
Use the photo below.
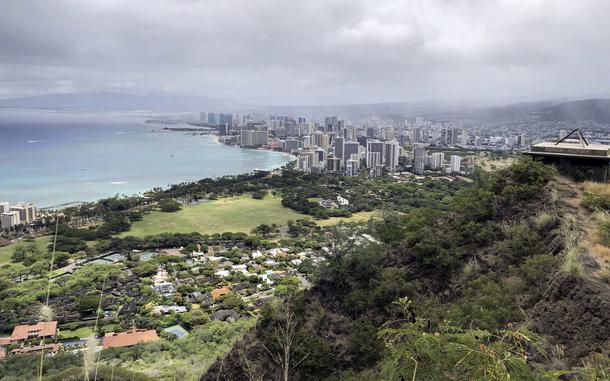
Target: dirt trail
(596, 259)
(574, 315)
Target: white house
(222, 273)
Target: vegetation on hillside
(446, 294)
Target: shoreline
(214, 138)
(137, 163)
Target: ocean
(56, 158)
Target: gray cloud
(316, 51)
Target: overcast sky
(308, 51)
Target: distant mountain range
(559, 110)
(589, 109)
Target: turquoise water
(53, 158)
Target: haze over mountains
(597, 110)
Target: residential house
(220, 291)
(47, 348)
(164, 310)
(35, 331)
(129, 338)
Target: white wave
(33, 141)
(119, 133)
(118, 182)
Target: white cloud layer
(311, 51)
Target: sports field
(233, 214)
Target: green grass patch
(7, 251)
(356, 217)
(81, 333)
(233, 214)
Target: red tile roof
(36, 348)
(129, 338)
(38, 330)
(218, 292)
(5, 341)
(2, 353)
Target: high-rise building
(417, 136)
(450, 136)
(330, 123)
(419, 160)
(320, 154)
(251, 138)
(303, 163)
(352, 166)
(349, 149)
(9, 219)
(333, 164)
(4, 207)
(307, 141)
(212, 118)
(392, 152)
(373, 159)
(374, 153)
(31, 212)
(23, 213)
(456, 164)
(291, 144)
(438, 159)
(339, 149)
(316, 138)
(224, 119)
(419, 121)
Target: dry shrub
(600, 189)
(601, 251)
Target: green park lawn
(81, 333)
(7, 251)
(233, 214)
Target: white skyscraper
(4, 207)
(9, 219)
(456, 164)
(438, 159)
(374, 153)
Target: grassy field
(7, 251)
(234, 214)
(81, 333)
(356, 217)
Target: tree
(263, 230)
(87, 303)
(169, 205)
(285, 352)
(28, 254)
(259, 195)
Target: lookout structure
(575, 157)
